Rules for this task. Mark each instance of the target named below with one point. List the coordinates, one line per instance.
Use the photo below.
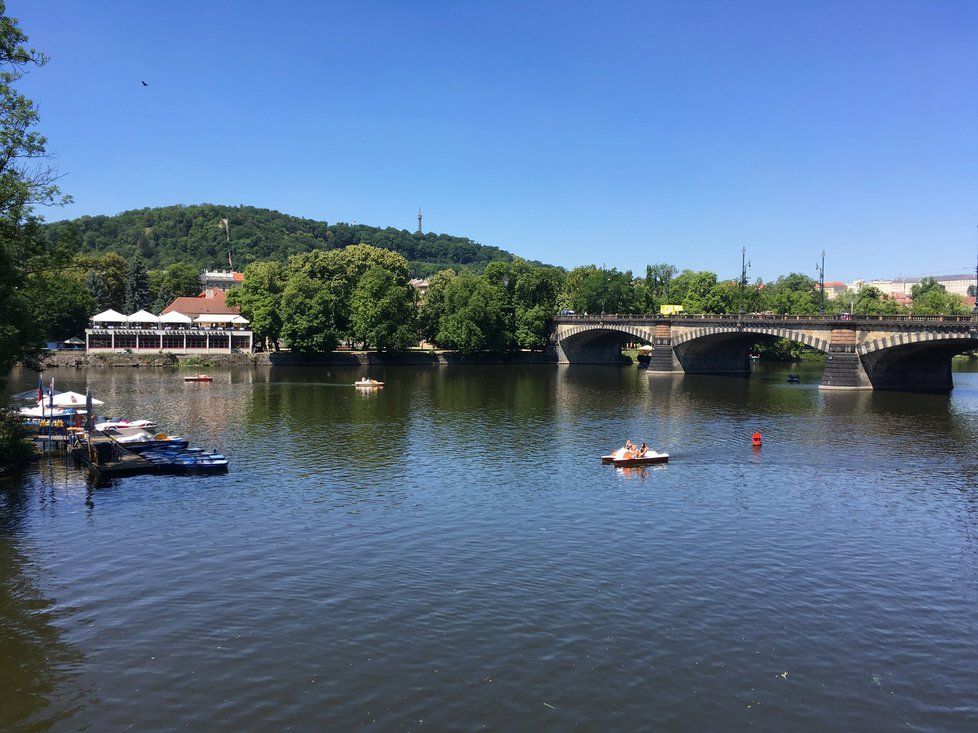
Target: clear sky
(604, 132)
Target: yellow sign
(670, 310)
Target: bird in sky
(145, 84)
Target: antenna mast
(419, 220)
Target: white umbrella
(175, 317)
(240, 320)
(109, 316)
(142, 316)
(73, 399)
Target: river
(449, 554)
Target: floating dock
(107, 457)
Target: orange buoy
(755, 439)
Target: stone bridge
(909, 353)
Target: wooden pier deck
(107, 457)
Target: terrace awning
(109, 316)
(176, 317)
(217, 318)
(71, 399)
(142, 316)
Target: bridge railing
(841, 319)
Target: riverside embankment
(81, 360)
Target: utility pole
(744, 265)
(821, 284)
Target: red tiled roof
(239, 277)
(209, 301)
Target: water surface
(448, 554)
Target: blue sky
(616, 133)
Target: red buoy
(755, 440)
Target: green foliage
(105, 275)
(339, 271)
(435, 306)
(870, 301)
(925, 286)
(25, 182)
(176, 281)
(591, 290)
(260, 299)
(193, 235)
(476, 317)
(197, 362)
(15, 448)
(384, 311)
(532, 294)
(658, 281)
(137, 287)
(691, 289)
(779, 350)
(308, 316)
(793, 294)
(60, 305)
(938, 302)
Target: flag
(51, 395)
(40, 389)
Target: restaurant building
(201, 325)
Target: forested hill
(193, 234)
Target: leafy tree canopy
(193, 235)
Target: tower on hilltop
(419, 220)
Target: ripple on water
(450, 554)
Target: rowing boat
(199, 378)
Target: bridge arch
(720, 349)
(597, 343)
(914, 361)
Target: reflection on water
(450, 553)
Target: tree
(137, 287)
(658, 279)
(308, 316)
(476, 317)
(938, 302)
(340, 270)
(794, 294)
(926, 285)
(25, 182)
(871, 301)
(178, 280)
(111, 270)
(691, 290)
(435, 306)
(384, 311)
(60, 305)
(592, 290)
(260, 299)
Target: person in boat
(643, 450)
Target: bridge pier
(663, 359)
(843, 368)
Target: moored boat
(368, 383)
(199, 378)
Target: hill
(193, 234)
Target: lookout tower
(419, 220)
